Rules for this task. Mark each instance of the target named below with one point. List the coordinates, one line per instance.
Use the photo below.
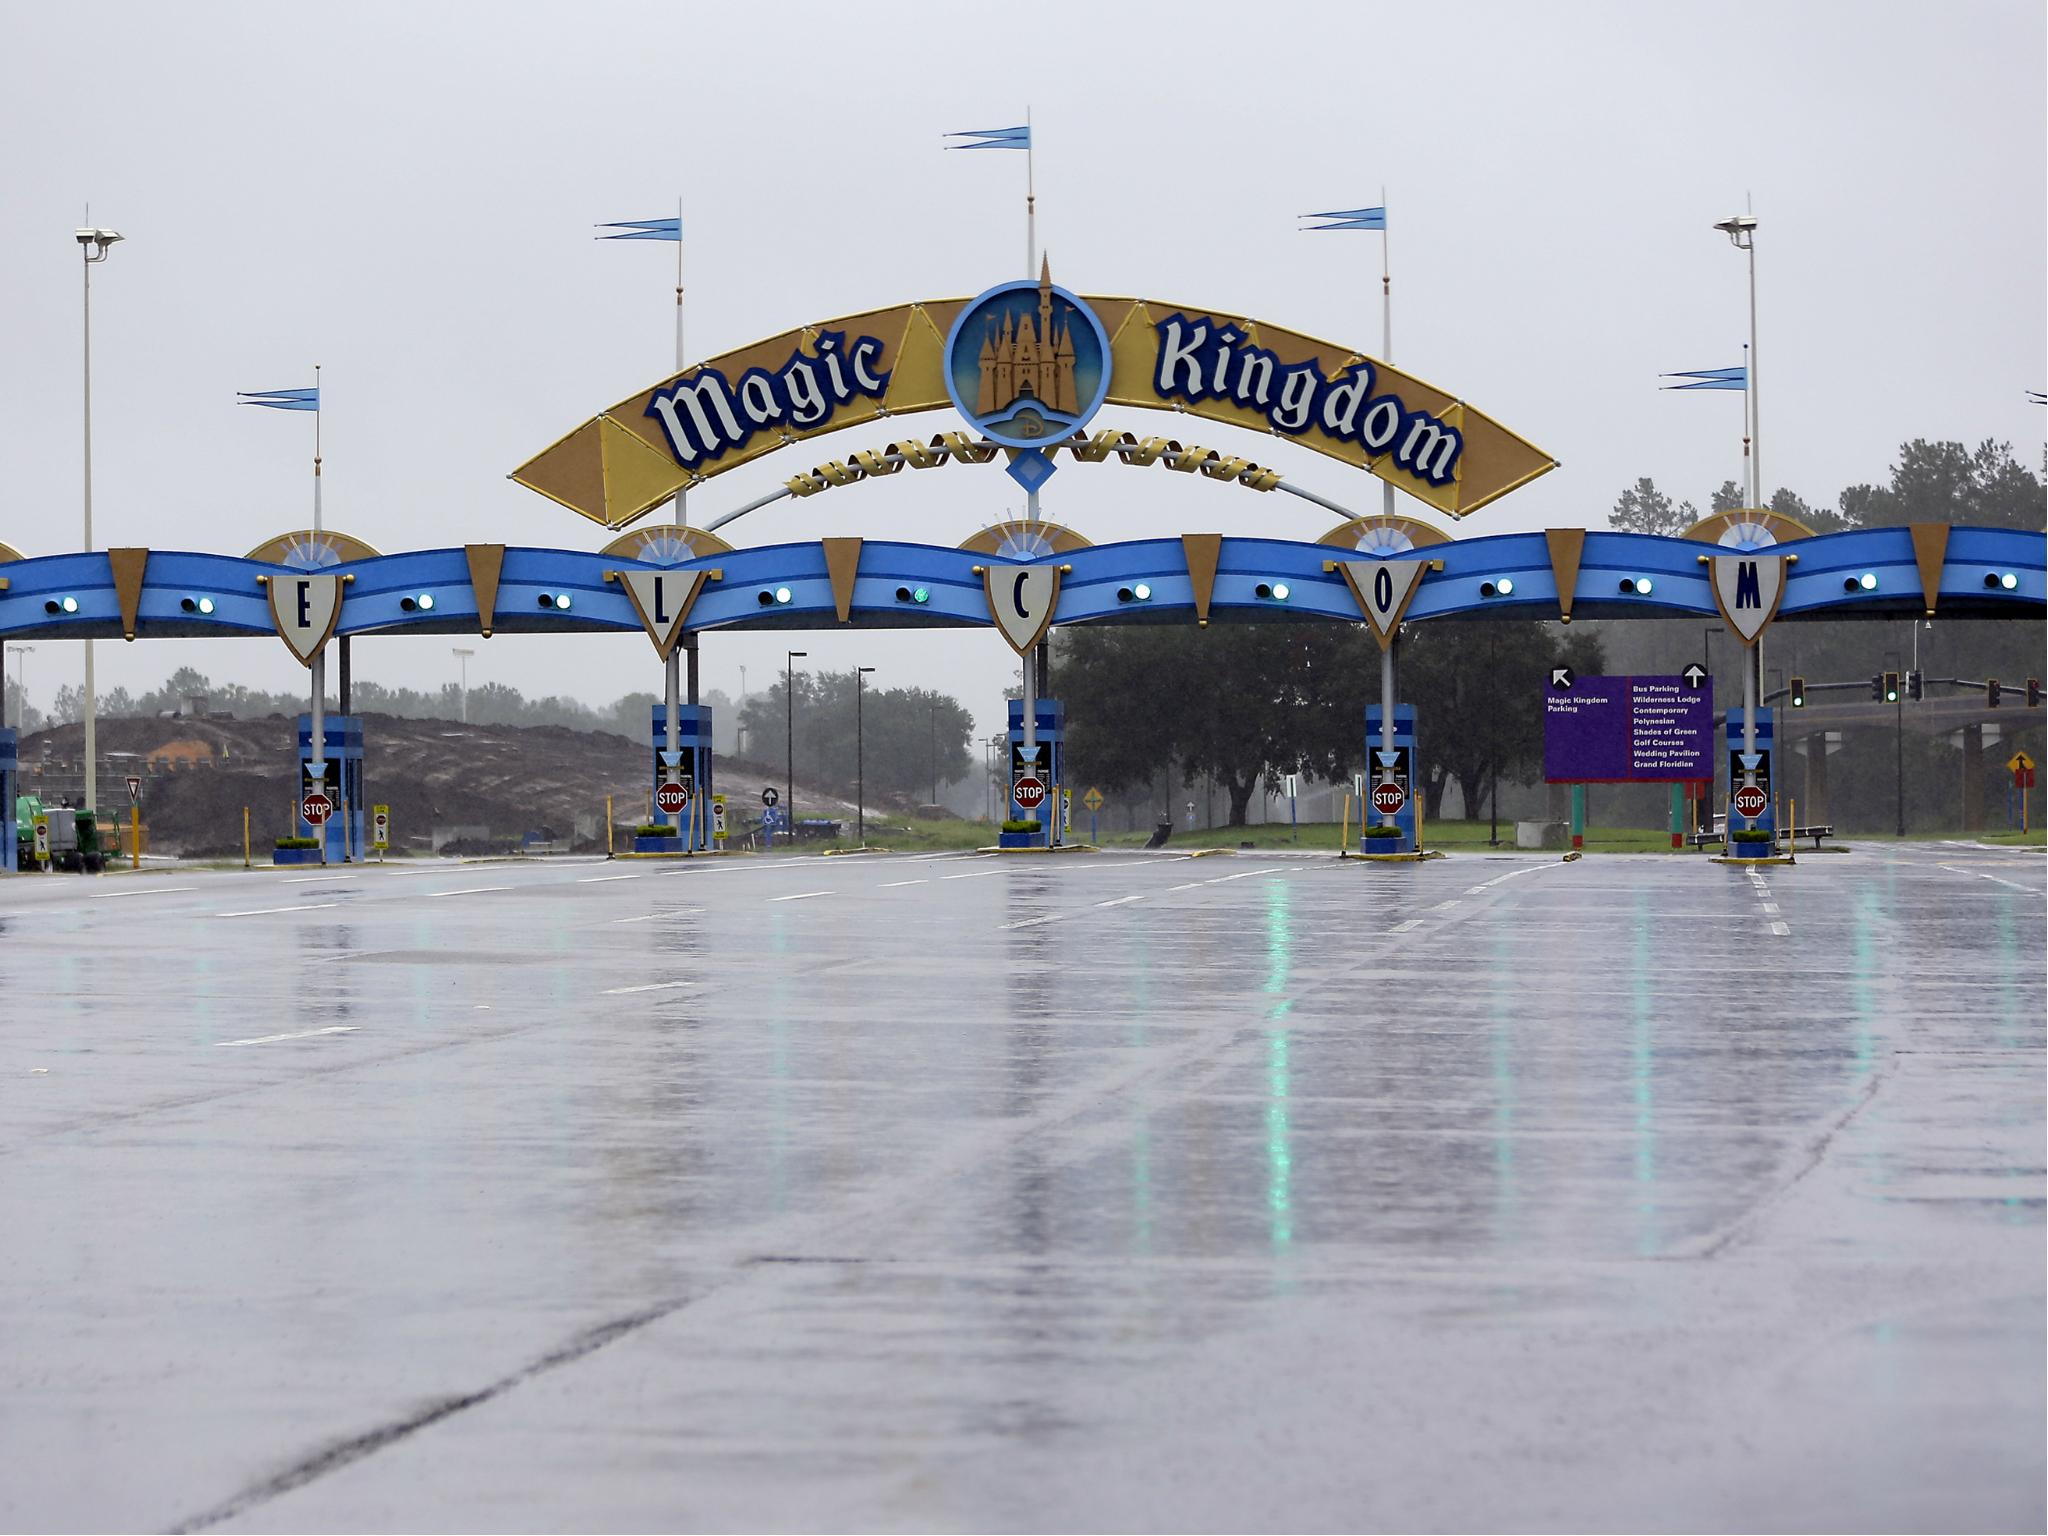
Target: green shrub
(1750, 835)
(298, 842)
(656, 829)
(1021, 826)
(1383, 829)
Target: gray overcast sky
(405, 194)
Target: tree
(1945, 483)
(909, 735)
(1642, 508)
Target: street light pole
(935, 754)
(462, 659)
(860, 772)
(93, 245)
(789, 736)
(21, 686)
(1741, 232)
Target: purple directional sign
(1620, 730)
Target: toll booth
(1404, 775)
(10, 774)
(1732, 731)
(344, 739)
(693, 734)
(1049, 767)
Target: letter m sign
(1748, 588)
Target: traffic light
(1914, 688)
(2033, 693)
(1991, 694)
(1798, 692)
(1876, 687)
(1891, 687)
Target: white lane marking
(602, 879)
(1032, 922)
(1192, 885)
(1445, 906)
(1958, 869)
(890, 885)
(315, 879)
(303, 1034)
(652, 986)
(644, 917)
(1412, 923)
(159, 890)
(979, 874)
(1771, 907)
(266, 911)
(1782, 930)
(468, 890)
(800, 896)
(1121, 901)
(1246, 874)
(1513, 874)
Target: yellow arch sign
(736, 408)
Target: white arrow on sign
(1694, 675)
(1561, 678)
(1383, 589)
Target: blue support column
(1404, 743)
(344, 755)
(1766, 775)
(1051, 765)
(693, 733)
(10, 773)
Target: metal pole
(672, 722)
(1387, 714)
(1899, 749)
(1030, 201)
(91, 704)
(935, 754)
(860, 767)
(1756, 452)
(789, 736)
(317, 738)
(316, 447)
(1386, 355)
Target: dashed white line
(266, 911)
(890, 885)
(1958, 869)
(160, 890)
(468, 890)
(1032, 922)
(979, 874)
(303, 1034)
(1445, 906)
(602, 879)
(1121, 901)
(315, 879)
(800, 896)
(1192, 885)
(1412, 923)
(652, 986)
(1782, 930)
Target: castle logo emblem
(1027, 363)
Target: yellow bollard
(1344, 831)
(134, 835)
(245, 837)
(1418, 823)
(608, 828)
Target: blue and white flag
(1710, 378)
(993, 138)
(1348, 218)
(645, 229)
(281, 399)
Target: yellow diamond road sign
(1093, 799)
(2019, 762)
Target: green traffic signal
(1798, 691)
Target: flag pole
(1030, 201)
(316, 447)
(1386, 339)
(672, 664)
(682, 506)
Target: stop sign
(671, 798)
(1388, 799)
(1030, 792)
(316, 808)
(1751, 801)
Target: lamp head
(95, 243)
(1740, 229)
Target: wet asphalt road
(1095, 1191)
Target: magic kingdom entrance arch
(1027, 365)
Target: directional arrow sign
(2019, 762)
(1694, 675)
(1561, 679)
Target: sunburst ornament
(308, 549)
(668, 544)
(1747, 536)
(1384, 539)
